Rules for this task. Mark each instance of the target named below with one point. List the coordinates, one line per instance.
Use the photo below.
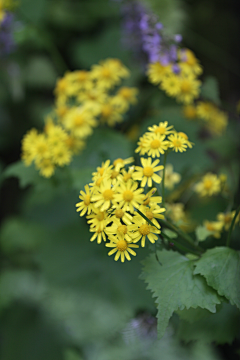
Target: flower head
(147, 173)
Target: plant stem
(231, 226)
(182, 234)
(180, 246)
(163, 179)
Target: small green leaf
(175, 286)
(202, 233)
(170, 233)
(221, 268)
(26, 175)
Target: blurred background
(61, 297)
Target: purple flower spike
(178, 38)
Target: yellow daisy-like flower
(74, 144)
(185, 137)
(142, 230)
(209, 185)
(110, 113)
(120, 163)
(171, 177)
(151, 200)
(214, 226)
(61, 154)
(41, 148)
(28, 143)
(171, 85)
(155, 144)
(226, 219)
(189, 89)
(162, 128)
(122, 215)
(122, 248)
(190, 64)
(205, 110)
(156, 72)
(129, 196)
(86, 204)
(80, 121)
(124, 97)
(153, 213)
(147, 173)
(46, 166)
(98, 234)
(177, 143)
(127, 175)
(119, 229)
(98, 219)
(105, 195)
(141, 145)
(104, 170)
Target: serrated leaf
(221, 327)
(26, 175)
(202, 233)
(221, 268)
(175, 286)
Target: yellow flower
(98, 234)
(156, 72)
(86, 204)
(104, 196)
(178, 215)
(80, 121)
(189, 89)
(147, 173)
(98, 219)
(28, 143)
(190, 112)
(104, 171)
(155, 144)
(124, 97)
(46, 166)
(171, 177)
(41, 148)
(214, 226)
(177, 143)
(189, 64)
(141, 145)
(171, 85)
(205, 110)
(120, 163)
(142, 230)
(127, 175)
(119, 229)
(110, 113)
(122, 215)
(226, 219)
(162, 128)
(151, 200)
(74, 144)
(122, 248)
(61, 155)
(185, 137)
(153, 213)
(129, 196)
(209, 185)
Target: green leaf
(221, 327)
(170, 233)
(202, 233)
(39, 72)
(26, 174)
(81, 177)
(210, 90)
(192, 315)
(221, 268)
(175, 286)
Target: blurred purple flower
(7, 44)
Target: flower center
(186, 87)
(122, 245)
(106, 73)
(207, 184)
(122, 229)
(78, 120)
(155, 144)
(160, 130)
(87, 200)
(114, 174)
(210, 227)
(107, 111)
(144, 229)
(148, 171)
(128, 195)
(149, 215)
(177, 143)
(100, 216)
(108, 194)
(125, 92)
(146, 202)
(119, 213)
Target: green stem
(180, 246)
(182, 234)
(231, 226)
(163, 178)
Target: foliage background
(62, 297)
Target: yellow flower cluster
(215, 120)
(210, 185)
(184, 85)
(82, 101)
(161, 138)
(223, 222)
(111, 203)
(177, 214)
(114, 203)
